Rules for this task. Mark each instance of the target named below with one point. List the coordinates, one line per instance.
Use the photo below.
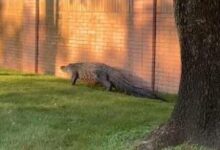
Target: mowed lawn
(47, 113)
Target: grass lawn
(47, 113)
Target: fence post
(154, 44)
(37, 22)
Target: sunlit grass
(47, 113)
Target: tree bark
(196, 116)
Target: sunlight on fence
(115, 32)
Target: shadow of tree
(48, 47)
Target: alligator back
(129, 83)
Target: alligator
(109, 77)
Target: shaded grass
(43, 112)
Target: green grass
(47, 113)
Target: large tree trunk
(196, 117)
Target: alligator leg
(103, 79)
(74, 77)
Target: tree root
(166, 135)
